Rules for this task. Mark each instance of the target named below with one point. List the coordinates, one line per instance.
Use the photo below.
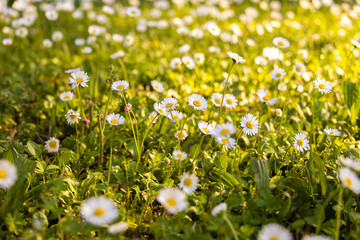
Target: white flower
(235, 57)
(175, 115)
(47, 43)
(79, 78)
(278, 112)
(303, 53)
(129, 40)
(274, 231)
(8, 174)
(349, 179)
(133, 11)
(355, 43)
(226, 141)
(206, 128)
(213, 29)
(86, 50)
(301, 143)
(227, 82)
(118, 54)
(120, 85)
(161, 109)
(66, 96)
(316, 237)
(72, 116)
(79, 42)
(117, 37)
(188, 61)
(250, 124)
(179, 155)
(115, 119)
(72, 70)
(175, 63)
(94, 30)
(265, 98)
(52, 145)
(332, 132)
(261, 61)
(322, 85)
(224, 130)
(57, 36)
(7, 41)
(197, 33)
(99, 211)
(51, 15)
(181, 134)
(158, 86)
(299, 68)
(277, 74)
(199, 58)
(21, 32)
(173, 199)
(219, 208)
(198, 102)
(216, 99)
(118, 228)
(349, 162)
(182, 30)
(189, 183)
(281, 42)
(230, 101)
(169, 103)
(108, 10)
(153, 117)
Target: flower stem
(227, 220)
(338, 212)
(182, 127)
(198, 149)
(110, 158)
(107, 106)
(223, 94)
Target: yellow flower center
(224, 131)
(250, 124)
(349, 182)
(156, 87)
(51, 15)
(175, 117)
(213, 29)
(176, 64)
(187, 182)
(300, 142)
(66, 97)
(225, 140)
(229, 101)
(52, 144)
(99, 212)
(114, 121)
(151, 117)
(332, 133)
(197, 103)
(274, 238)
(133, 11)
(298, 69)
(281, 43)
(120, 87)
(79, 80)
(94, 31)
(321, 86)
(72, 116)
(171, 202)
(161, 111)
(169, 105)
(205, 130)
(3, 174)
(179, 155)
(187, 62)
(21, 31)
(217, 100)
(278, 75)
(266, 98)
(180, 135)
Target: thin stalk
(80, 102)
(227, 220)
(198, 149)
(182, 127)
(107, 106)
(338, 213)
(101, 139)
(223, 94)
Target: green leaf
(221, 160)
(320, 173)
(15, 222)
(34, 150)
(262, 180)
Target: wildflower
(153, 117)
(265, 98)
(332, 132)
(169, 103)
(52, 145)
(188, 61)
(230, 101)
(179, 155)
(189, 183)
(250, 124)
(51, 15)
(108, 10)
(216, 99)
(224, 130)
(129, 40)
(206, 128)
(72, 70)
(175, 63)
(57, 36)
(322, 85)
(175, 115)
(72, 116)
(277, 74)
(158, 86)
(181, 135)
(278, 112)
(350, 163)
(219, 208)
(173, 199)
(355, 43)
(66, 96)
(118, 54)
(274, 231)
(299, 68)
(198, 102)
(21, 32)
(349, 179)
(85, 121)
(301, 142)
(118, 228)
(99, 211)
(133, 11)
(115, 119)
(8, 174)
(303, 53)
(316, 237)
(47, 43)
(227, 82)
(214, 29)
(86, 50)
(261, 61)
(236, 58)
(7, 41)
(79, 78)
(281, 42)
(161, 109)
(226, 141)
(120, 85)
(199, 58)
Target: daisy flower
(299, 68)
(250, 124)
(99, 211)
(226, 141)
(118, 228)
(219, 208)
(303, 53)
(236, 58)
(120, 85)
(129, 40)
(199, 58)
(108, 10)
(66, 96)
(316, 237)
(332, 132)
(349, 179)
(265, 98)
(224, 130)
(161, 109)
(179, 155)
(214, 29)
(181, 134)
(281, 42)
(198, 102)
(173, 199)
(52, 145)
(349, 162)
(278, 112)
(153, 117)
(118, 54)
(169, 103)
(133, 11)
(230, 101)
(322, 85)
(86, 50)
(261, 61)
(51, 15)
(206, 128)
(158, 86)
(355, 43)
(175, 63)
(115, 119)
(47, 43)
(8, 174)
(7, 41)
(72, 70)
(274, 231)
(216, 99)
(227, 82)
(189, 183)
(189, 62)
(277, 74)
(72, 116)
(301, 143)
(79, 78)
(57, 36)
(21, 32)
(175, 115)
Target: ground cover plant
(179, 119)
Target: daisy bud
(127, 107)
(111, 68)
(85, 121)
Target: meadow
(180, 119)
